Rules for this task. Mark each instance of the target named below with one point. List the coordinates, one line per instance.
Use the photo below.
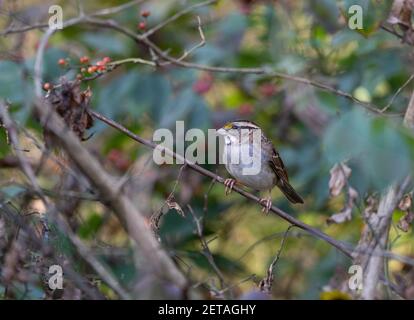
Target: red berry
(268, 89)
(47, 86)
(203, 84)
(106, 60)
(245, 109)
(101, 68)
(84, 59)
(92, 69)
(145, 13)
(118, 159)
(100, 63)
(62, 62)
(142, 25)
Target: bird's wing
(278, 166)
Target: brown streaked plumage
(239, 137)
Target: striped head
(234, 131)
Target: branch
(103, 12)
(376, 236)
(391, 31)
(265, 284)
(206, 250)
(143, 39)
(14, 141)
(409, 113)
(379, 224)
(56, 216)
(9, 213)
(110, 24)
(176, 16)
(313, 231)
(346, 249)
(157, 259)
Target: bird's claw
(229, 184)
(267, 204)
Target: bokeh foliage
(312, 129)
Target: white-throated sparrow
(253, 161)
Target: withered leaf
(156, 217)
(346, 213)
(339, 176)
(72, 104)
(405, 203)
(172, 204)
(401, 13)
(352, 194)
(371, 206)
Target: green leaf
(186, 103)
(380, 148)
(347, 137)
(105, 42)
(11, 82)
(133, 94)
(373, 13)
(89, 228)
(326, 13)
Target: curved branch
(284, 215)
(157, 260)
(143, 39)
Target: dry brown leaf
(401, 13)
(352, 194)
(172, 204)
(339, 176)
(405, 203)
(346, 213)
(371, 206)
(71, 103)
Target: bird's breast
(247, 164)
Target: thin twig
(176, 16)
(393, 32)
(197, 46)
(103, 12)
(397, 93)
(266, 238)
(157, 260)
(9, 212)
(82, 249)
(116, 9)
(313, 231)
(24, 163)
(206, 250)
(265, 284)
(156, 217)
(259, 70)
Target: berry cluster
(85, 68)
(142, 25)
(98, 66)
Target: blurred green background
(311, 128)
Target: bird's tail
(289, 192)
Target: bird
(243, 140)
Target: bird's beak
(221, 132)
